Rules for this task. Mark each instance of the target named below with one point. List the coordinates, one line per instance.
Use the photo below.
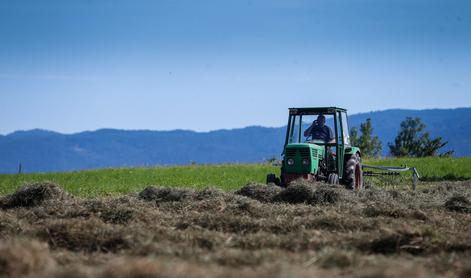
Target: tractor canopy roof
(315, 110)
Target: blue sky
(70, 66)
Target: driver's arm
(307, 132)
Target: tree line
(412, 140)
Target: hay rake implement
(388, 173)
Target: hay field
(303, 231)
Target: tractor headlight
(305, 162)
(290, 161)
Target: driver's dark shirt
(322, 133)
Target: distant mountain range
(44, 151)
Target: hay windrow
(296, 194)
(258, 230)
(260, 192)
(164, 194)
(33, 195)
(83, 235)
(310, 194)
(459, 204)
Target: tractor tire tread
(349, 171)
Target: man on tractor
(329, 156)
(319, 131)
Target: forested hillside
(39, 150)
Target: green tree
(413, 140)
(370, 145)
(354, 140)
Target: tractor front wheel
(353, 174)
(271, 178)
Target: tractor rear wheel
(333, 179)
(353, 174)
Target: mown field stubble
(303, 231)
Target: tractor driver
(319, 131)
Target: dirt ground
(265, 231)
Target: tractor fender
(352, 151)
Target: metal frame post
(337, 143)
(414, 178)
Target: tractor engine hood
(302, 158)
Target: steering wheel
(314, 141)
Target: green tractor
(317, 148)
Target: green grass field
(105, 182)
(123, 180)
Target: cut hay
(459, 204)
(397, 242)
(83, 235)
(260, 192)
(25, 258)
(296, 194)
(163, 194)
(315, 230)
(309, 194)
(33, 194)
